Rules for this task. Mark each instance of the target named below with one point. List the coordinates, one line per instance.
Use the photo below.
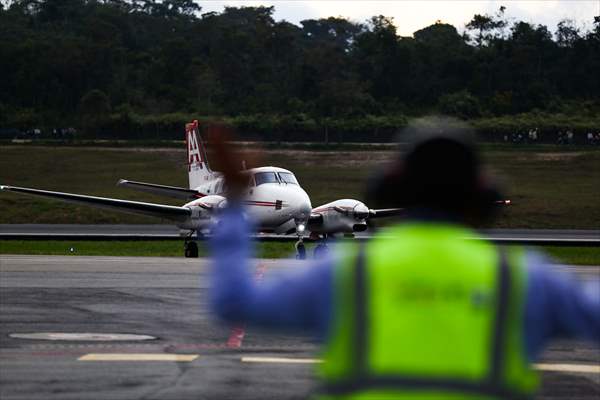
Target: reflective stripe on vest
(362, 376)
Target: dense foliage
(136, 67)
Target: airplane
(274, 200)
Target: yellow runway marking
(281, 360)
(590, 369)
(138, 357)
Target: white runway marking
(281, 360)
(589, 369)
(581, 368)
(75, 336)
(138, 357)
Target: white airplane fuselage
(275, 205)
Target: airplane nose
(304, 207)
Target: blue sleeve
(297, 300)
(558, 306)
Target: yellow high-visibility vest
(421, 312)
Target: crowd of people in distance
(37, 133)
(566, 137)
(593, 138)
(562, 137)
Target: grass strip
(552, 187)
(167, 248)
(574, 255)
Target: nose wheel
(300, 250)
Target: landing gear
(300, 250)
(190, 249)
(320, 250)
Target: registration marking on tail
(281, 360)
(138, 357)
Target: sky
(410, 16)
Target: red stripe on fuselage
(262, 203)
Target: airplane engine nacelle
(344, 216)
(204, 212)
(208, 202)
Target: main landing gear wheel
(320, 251)
(191, 249)
(300, 251)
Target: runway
(193, 356)
(558, 237)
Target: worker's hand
(229, 161)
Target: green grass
(575, 255)
(167, 248)
(567, 255)
(551, 186)
(549, 189)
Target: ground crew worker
(419, 311)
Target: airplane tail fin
(198, 169)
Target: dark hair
(440, 171)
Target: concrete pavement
(166, 298)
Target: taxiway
(194, 356)
(548, 237)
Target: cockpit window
(265, 177)
(288, 178)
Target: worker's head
(438, 169)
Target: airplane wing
(385, 212)
(391, 212)
(134, 207)
(163, 190)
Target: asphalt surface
(166, 298)
(165, 229)
(561, 237)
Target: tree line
(140, 67)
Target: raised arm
(296, 300)
(558, 306)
